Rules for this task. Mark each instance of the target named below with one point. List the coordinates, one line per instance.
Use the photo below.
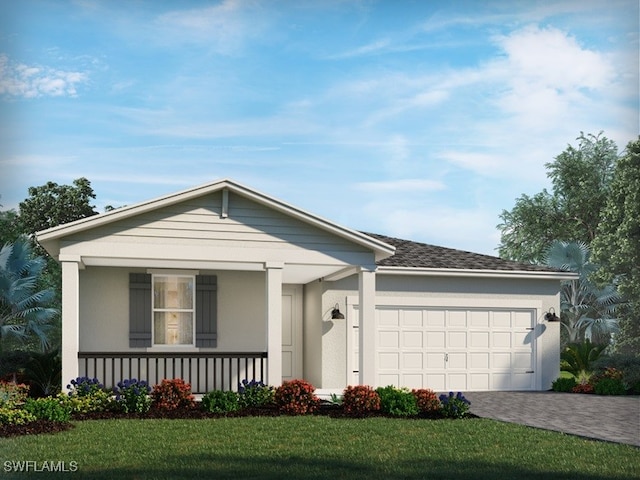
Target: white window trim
(163, 346)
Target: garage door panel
(521, 361)
(385, 379)
(457, 339)
(501, 361)
(435, 339)
(412, 339)
(522, 320)
(435, 361)
(479, 339)
(479, 360)
(501, 339)
(521, 338)
(389, 361)
(413, 361)
(412, 318)
(436, 381)
(480, 381)
(457, 381)
(435, 318)
(388, 339)
(457, 361)
(457, 318)
(479, 319)
(502, 320)
(389, 317)
(413, 381)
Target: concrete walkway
(610, 418)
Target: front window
(173, 309)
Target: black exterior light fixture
(551, 316)
(336, 314)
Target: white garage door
(453, 348)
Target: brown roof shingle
(422, 255)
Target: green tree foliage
(581, 180)
(588, 311)
(617, 244)
(51, 205)
(9, 227)
(23, 307)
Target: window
(173, 309)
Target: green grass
(320, 448)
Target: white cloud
(19, 80)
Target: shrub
(399, 402)
(48, 408)
(15, 416)
(610, 386)
(218, 401)
(255, 394)
(629, 365)
(578, 357)
(296, 397)
(172, 394)
(86, 395)
(132, 396)
(563, 384)
(454, 406)
(360, 400)
(582, 388)
(13, 394)
(44, 373)
(427, 400)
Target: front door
(291, 332)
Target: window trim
(174, 274)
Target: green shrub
(427, 400)
(454, 406)
(172, 394)
(577, 357)
(218, 401)
(610, 386)
(563, 384)
(296, 397)
(48, 408)
(13, 394)
(360, 400)
(399, 402)
(255, 394)
(44, 373)
(132, 396)
(98, 401)
(629, 365)
(15, 416)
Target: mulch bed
(194, 413)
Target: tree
(51, 205)
(23, 307)
(588, 312)
(9, 227)
(617, 244)
(581, 179)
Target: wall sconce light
(336, 314)
(551, 316)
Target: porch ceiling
(301, 274)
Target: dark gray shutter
(206, 311)
(139, 310)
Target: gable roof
(50, 237)
(411, 254)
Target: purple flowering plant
(454, 406)
(84, 387)
(132, 396)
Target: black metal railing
(205, 371)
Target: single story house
(221, 283)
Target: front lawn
(318, 447)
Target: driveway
(610, 418)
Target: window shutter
(206, 311)
(139, 310)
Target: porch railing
(205, 371)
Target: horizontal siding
(248, 224)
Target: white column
(70, 321)
(274, 322)
(367, 319)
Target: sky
(416, 119)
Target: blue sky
(417, 119)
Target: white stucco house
(221, 283)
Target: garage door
(452, 348)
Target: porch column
(274, 322)
(367, 320)
(70, 320)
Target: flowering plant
(132, 396)
(13, 394)
(360, 400)
(296, 397)
(454, 406)
(427, 400)
(255, 394)
(84, 386)
(172, 394)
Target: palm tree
(587, 311)
(23, 308)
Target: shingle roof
(422, 255)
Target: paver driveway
(610, 418)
